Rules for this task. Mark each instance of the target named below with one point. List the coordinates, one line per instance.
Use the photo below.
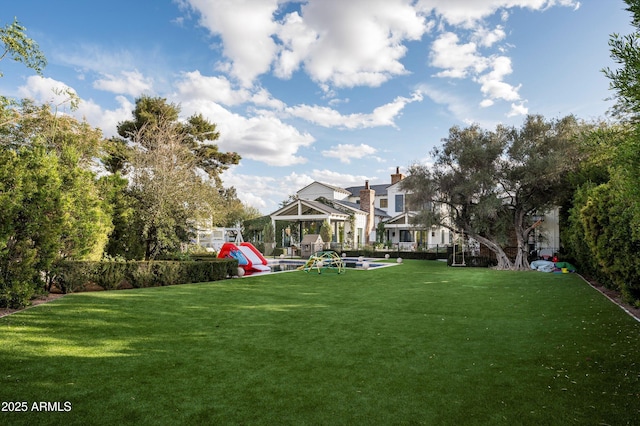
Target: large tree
(51, 206)
(534, 171)
(196, 133)
(492, 183)
(625, 82)
(460, 190)
(173, 171)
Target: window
(384, 203)
(405, 236)
(399, 203)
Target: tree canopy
(17, 46)
(491, 183)
(51, 206)
(195, 133)
(173, 174)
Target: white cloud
(360, 42)
(487, 38)
(48, 90)
(266, 193)
(492, 84)
(131, 83)
(467, 13)
(297, 39)
(344, 44)
(107, 120)
(338, 179)
(518, 109)
(87, 57)
(252, 190)
(246, 29)
(457, 59)
(219, 89)
(345, 153)
(383, 115)
(262, 138)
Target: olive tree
(490, 184)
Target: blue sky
(329, 90)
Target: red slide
(256, 258)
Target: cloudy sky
(339, 91)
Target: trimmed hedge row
(72, 276)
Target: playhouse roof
(311, 238)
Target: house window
(399, 203)
(405, 236)
(384, 203)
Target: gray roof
(380, 189)
(356, 206)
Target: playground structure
(322, 260)
(249, 258)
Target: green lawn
(418, 343)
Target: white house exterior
(359, 210)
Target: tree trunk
(503, 261)
(522, 235)
(522, 262)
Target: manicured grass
(419, 343)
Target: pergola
(302, 211)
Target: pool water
(292, 265)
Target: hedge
(72, 276)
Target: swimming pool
(288, 265)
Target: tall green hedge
(601, 238)
(72, 276)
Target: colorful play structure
(249, 258)
(323, 260)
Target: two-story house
(357, 214)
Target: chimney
(367, 198)
(397, 177)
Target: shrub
(141, 274)
(15, 295)
(72, 276)
(600, 237)
(110, 273)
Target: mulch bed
(35, 302)
(615, 297)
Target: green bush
(141, 275)
(110, 273)
(71, 276)
(601, 238)
(16, 295)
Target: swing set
(461, 246)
